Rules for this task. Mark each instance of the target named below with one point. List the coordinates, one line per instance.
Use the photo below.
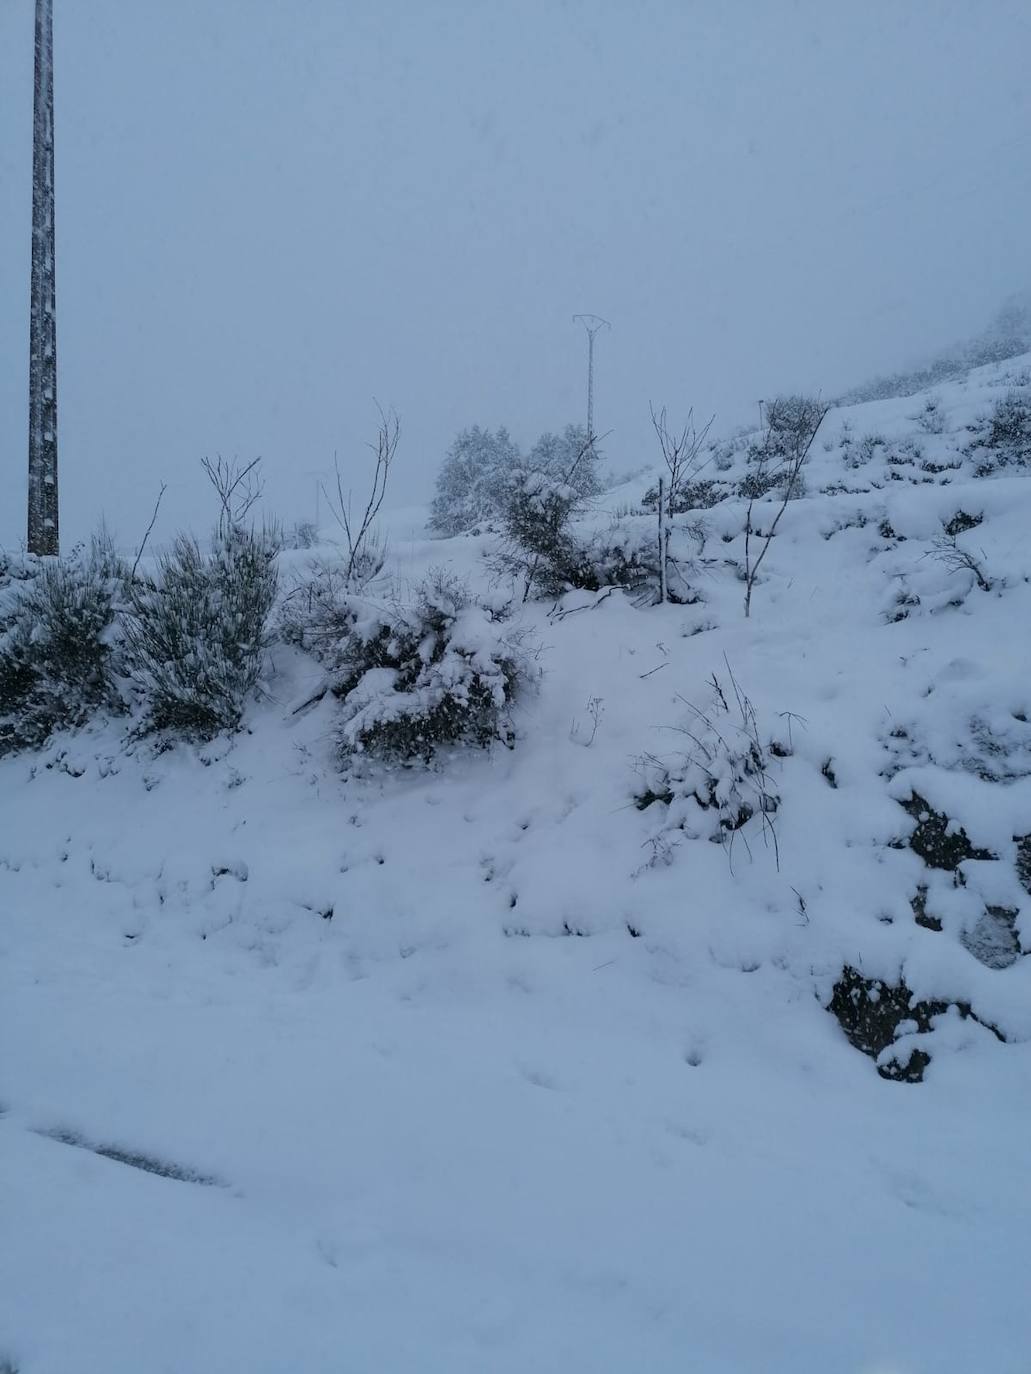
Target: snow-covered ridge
(507, 1065)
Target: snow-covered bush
(196, 634)
(1005, 435)
(441, 671)
(472, 481)
(721, 778)
(317, 612)
(627, 555)
(700, 495)
(302, 535)
(931, 417)
(790, 424)
(17, 568)
(775, 459)
(57, 642)
(541, 549)
(760, 481)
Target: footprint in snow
(539, 1079)
(695, 1135)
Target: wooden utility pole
(43, 528)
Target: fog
(271, 216)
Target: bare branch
(146, 536)
(238, 488)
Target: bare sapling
(364, 551)
(680, 452)
(237, 486)
(663, 544)
(757, 542)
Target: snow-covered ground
(486, 1069)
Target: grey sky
(270, 213)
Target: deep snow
(484, 1068)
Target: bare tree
(789, 458)
(680, 450)
(363, 549)
(238, 488)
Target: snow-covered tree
(568, 458)
(472, 482)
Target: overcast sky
(271, 213)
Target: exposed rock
(920, 913)
(994, 939)
(961, 522)
(873, 1013)
(1024, 861)
(935, 840)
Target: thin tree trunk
(663, 544)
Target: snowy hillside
(549, 1058)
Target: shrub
(1006, 432)
(931, 418)
(775, 460)
(57, 642)
(303, 535)
(540, 547)
(791, 422)
(627, 555)
(760, 482)
(721, 779)
(317, 614)
(196, 635)
(17, 568)
(442, 671)
(700, 495)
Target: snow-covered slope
(498, 1068)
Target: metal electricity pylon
(592, 324)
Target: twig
(313, 700)
(556, 614)
(658, 669)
